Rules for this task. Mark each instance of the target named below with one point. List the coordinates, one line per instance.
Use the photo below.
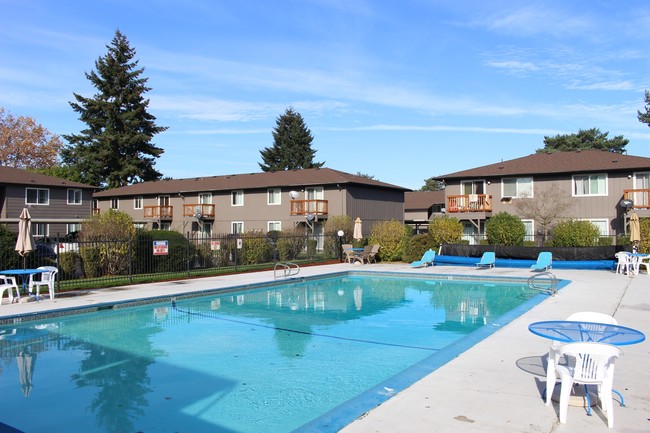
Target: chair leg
(550, 378)
(565, 395)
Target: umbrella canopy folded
(357, 233)
(635, 228)
(25, 242)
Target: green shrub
(290, 244)
(604, 241)
(505, 229)
(644, 245)
(311, 248)
(256, 249)
(416, 246)
(392, 237)
(575, 233)
(112, 230)
(70, 265)
(8, 255)
(331, 229)
(445, 230)
(176, 258)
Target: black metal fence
(93, 264)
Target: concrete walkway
(496, 386)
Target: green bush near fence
(256, 248)
(392, 237)
(505, 229)
(70, 265)
(445, 230)
(332, 241)
(290, 243)
(575, 233)
(416, 246)
(179, 251)
(10, 258)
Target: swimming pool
(306, 355)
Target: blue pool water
(308, 355)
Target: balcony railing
(307, 207)
(205, 210)
(469, 203)
(159, 212)
(640, 197)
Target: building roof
(580, 161)
(17, 176)
(287, 178)
(422, 200)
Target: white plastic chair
(624, 264)
(553, 354)
(8, 283)
(590, 364)
(44, 279)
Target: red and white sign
(160, 248)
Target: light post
(340, 233)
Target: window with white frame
(137, 202)
(40, 229)
(315, 193)
(529, 225)
(274, 226)
(74, 196)
(519, 187)
(73, 227)
(237, 227)
(589, 184)
(237, 198)
(472, 187)
(39, 196)
(205, 198)
(115, 203)
(165, 226)
(274, 196)
(206, 230)
(602, 224)
(641, 182)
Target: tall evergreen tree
(115, 149)
(645, 117)
(291, 145)
(585, 139)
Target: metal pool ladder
(288, 270)
(546, 285)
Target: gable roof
(422, 200)
(286, 178)
(579, 161)
(17, 176)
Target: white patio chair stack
(624, 264)
(44, 279)
(8, 283)
(554, 355)
(589, 364)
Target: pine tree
(645, 117)
(115, 149)
(291, 145)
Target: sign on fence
(215, 245)
(160, 248)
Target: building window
(115, 203)
(74, 196)
(520, 187)
(73, 227)
(274, 196)
(275, 226)
(40, 229)
(137, 202)
(205, 198)
(530, 230)
(140, 226)
(642, 182)
(590, 184)
(602, 224)
(237, 227)
(165, 226)
(37, 196)
(237, 198)
(206, 230)
(315, 193)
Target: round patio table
(569, 331)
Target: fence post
(187, 252)
(131, 260)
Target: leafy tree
(115, 149)
(545, 207)
(107, 236)
(392, 237)
(365, 176)
(585, 139)
(432, 185)
(445, 230)
(505, 229)
(26, 144)
(291, 145)
(575, 233)
(645, 117)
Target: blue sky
(401, 90)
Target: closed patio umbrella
(25, 242)
(635, 229)
(357, 233)
(26, 361)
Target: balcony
(207, 211)
(308, 207)
(640, 197)
(159, 212)
(469, 203)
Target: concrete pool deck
(495, 386)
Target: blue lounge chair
(544, 262)
(487, 259)
(426, 260)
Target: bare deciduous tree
(547, 206)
